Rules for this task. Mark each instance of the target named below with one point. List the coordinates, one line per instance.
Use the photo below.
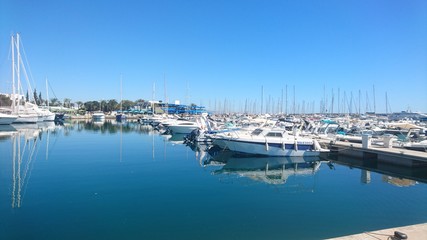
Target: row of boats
(288, 136)
(257, 138)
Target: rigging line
(50, 87)
(26, 60)
(28, 82)
(29, 167)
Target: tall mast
(153, 96)
(294, 101)
(359, 102)
(121, 93)
(47, 95)
(332, 102)
(338, 102)
(166, 96)
(13, 73)
(18, 70)
(286, 108)
(281, 103)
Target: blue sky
(217, 51)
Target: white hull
(182, 129)
(268, 149)
(98, 116)
(49, 117)
(27, 118)
(6, 119)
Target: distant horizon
(225, 53)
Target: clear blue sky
(224, 50)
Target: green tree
(67, 102)
(127, 104)
(112, 105)
(55, 102)
(36, 99)
(79, 104)
(5, 100)
(40, 98)
(92, 106)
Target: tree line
(104, 105)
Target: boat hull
(269, 149)
(27, 118)
(6, 119)
(182, 128)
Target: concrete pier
(397, 156)
(418, 231)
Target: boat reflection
(6, 131)
(25, 145)
(175, 138)
(270, 170)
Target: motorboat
(269, 142)
(183, 126)
(98, 116)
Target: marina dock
(418, 231)
(396, 156)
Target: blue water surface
(106, 180)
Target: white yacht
(269, 142)
(183, 126)
(98, 116)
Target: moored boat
(6, 119)
(182, 126)
(98, 116)
(269, 142)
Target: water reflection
(108, 127)
(175, 138)
(396, 175)
(270, 170)
(26, 140)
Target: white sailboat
(24, 115)
(27, 112)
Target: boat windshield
(274, 134)
(257, 132)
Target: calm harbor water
(105, 180)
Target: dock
(396, 156)
(418, 231)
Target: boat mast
(47, 95)
(18, 70)
(294, 101)
(166, 96)
(286, 102)
(121, 98)
(13, 74)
